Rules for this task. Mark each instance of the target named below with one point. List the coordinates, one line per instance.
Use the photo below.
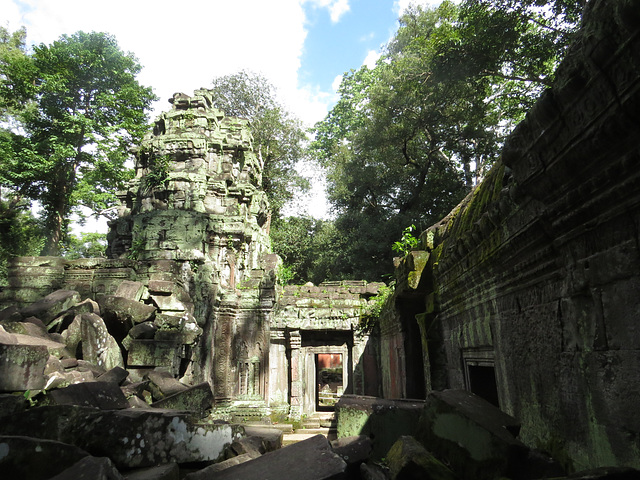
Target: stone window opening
(480, 376)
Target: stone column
(278, 380)
(359, 372)
(295, 343)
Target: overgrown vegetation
(404, 143)
(370, 315)
(85, 245)
(407, 242)
(158, 173)
(409, 138)
(71, 111)
(20, 232)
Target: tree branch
(537, 80)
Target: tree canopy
(409, 138)
(279, 137)
(76, 109)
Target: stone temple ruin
(190, 285)
(508, 350)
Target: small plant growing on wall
(137, 244)
(407, 242)
(158, 174)
(285, 274)
(370, 314)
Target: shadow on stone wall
(534, 278)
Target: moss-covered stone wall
(536, 274)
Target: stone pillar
(278, 380)
(295, 343)
(223, 382)
(359, 372)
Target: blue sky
(332, 48)
(301, 46)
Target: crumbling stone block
(98, 346)
(473, 436)
(145, 331)
(116, 375)
(310, 459)
(210, 472)
(353, 450)
(153, 353)
(131, 290)
(49, 307)
(10, 314)
(169, 322)
(253, 446)
(95, 468)
(197, 399)
(62, 321)
(409, 460)
(31, 326)
(36, 458)
(137, 402)
(162, 384)
(381, 419)
(121, 314)
(172, 303)
(22, 367)
(106, 396)
(131, 438)
(271, 437)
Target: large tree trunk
(53, 235)
(58, 207)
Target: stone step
(283, 427)
(321, 420)
(316, 431)
(329, 423)
(292, 438)
(310, 424)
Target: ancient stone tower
(196, 221)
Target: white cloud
(11, 15)
(337, 8)
(371, 58)
(183, 48)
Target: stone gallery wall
(528, 293)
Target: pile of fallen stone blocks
(76, 401)
(140, 328)
(452, 435)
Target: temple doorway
(329, 380)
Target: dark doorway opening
(329, 380)
(414, 356)
(482, 382)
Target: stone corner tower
(195, 215)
